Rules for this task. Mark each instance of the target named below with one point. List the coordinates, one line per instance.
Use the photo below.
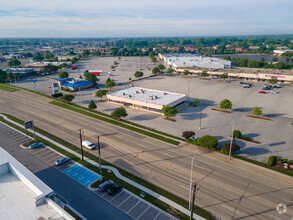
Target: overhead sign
(28, 124)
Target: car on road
(274, 92)
(36, 145)
(262, 92)
(88, 145)
(62, 161)
(105, 185)
(114, 189)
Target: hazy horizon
(135, 19)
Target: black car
(114, 189)
(242, 82)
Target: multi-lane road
(227, 190)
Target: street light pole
(191, 177)
(233, 124)
(99, 148)
(200, 118)
(194, 186)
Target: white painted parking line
(143, 212)
(114, 196)
(133, 207)
(157, 216)
(124, 200)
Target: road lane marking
(228, 207)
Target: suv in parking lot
(105, 185)
(114, 189)
(62, 161)
(35, 145)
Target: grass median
(8, 88)
(115, 122)
(110, 175)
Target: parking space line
(134, 206)
(143, 212)
(115, 196)
(157, 215)
(124, 201)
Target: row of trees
(244, 62)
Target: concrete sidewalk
(115, 171)
(239, 163)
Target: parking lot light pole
(191, 177)
(200, 118)
(80, 138)
(233, 124)
(99, 148)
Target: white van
(88, 145)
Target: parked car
(262, 92)
(266, 88)
(114, 189)
(277, 86)
(246, 85)
(105, 185)
(274, 92)
(35, 145)
(88, 145)
(242, 82)
(62, 161)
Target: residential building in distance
(23, 195)
(146, 99)
(194, 61)
(66, 57)
(105, 50)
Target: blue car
(35, 145)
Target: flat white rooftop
(17, 201)
(148, 95)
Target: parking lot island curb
(116, 172)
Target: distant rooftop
(76, 84)
(148, 95)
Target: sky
(144, 18)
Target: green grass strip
(149, 198)
(8, 88)
(114, 122)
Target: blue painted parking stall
(81, 175)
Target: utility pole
(81, 147)
(191, 177)
(200, 118)
(194, 187)
(229, 158)
(99, 148)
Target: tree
(91, 77)
(64, 75)
(92, 105)
(100, 93)
(153, 58)
(74, 60)
(48, 55)
(208, 141)
(170, 71)
(50, 68)
(237, 134)
(38, 58)
(156, 70)
(71, 52)
(257, 111)
(226, 148)
(119, 112)
(86, 53)
(3, 76)
(13, 62)
(226, 104)
(187, 134)
(196, 101)
(116, 63)
(110, 84)
(138, 74)
(273, 80)
(186, 72)
(161, 66)
(169, 111)
(204, 74)
(224, 76)
(67, 98)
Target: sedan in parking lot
(274, 92)
(35, 145)
(114, 189)
(262, 92)
(62, 161)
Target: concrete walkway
(115, 171)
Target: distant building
(146, 99)
(21, 71)
(190, 48)
(105, 50)
(23, 195)
(73, 84)
(66, 57)
(42, 64)
(194, 61)
(254, 47)
(173, 49)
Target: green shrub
(208, 141)
(187, 134)
(234, 147)
(195, 141)
(285, 160)
(289, 162)
(237, 134)
(271, 161)
(224, 151)
(57, 95)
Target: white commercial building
(146, 99)
(23, 195)
(194, 61)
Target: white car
(274, 92)
(88, 145)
